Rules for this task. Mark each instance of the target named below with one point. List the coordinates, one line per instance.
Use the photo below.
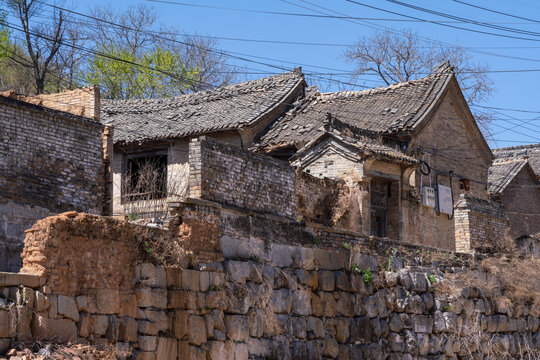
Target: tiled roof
(531, 151)
(226, 108)
(391, 109)
(501, 173)
(353, 139)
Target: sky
(513, 90)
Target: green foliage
(314, 240)
(5, 43)
(148, 248)
(368, 276)
(255, 258)
(432, 279)
(132, 217)
(123, 74)
(356, 269)
(347, 246)
(446, 308)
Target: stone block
(148, 297)
(180, 323)
(315, 328)
(422, 324)
(217, 300)
(157, 317)
(191, 280)
(167, 349)
(237, 327)
(204, 281)
(241, 352)
(4, 323)
(342, 329)
(24, 322)
(128, 305)
(217, 280)
(299, 327)
(326, 259)
(42, 301)
(62, 330)
(100, 324)
(146, 355)
(147, 327)
(345, 304)
(256, 323)
(301, 302)
(84, 327)
(238, 271)
(147, 343)
(329, 304)
(281, 301)
(67, 307)
(281, 255)
(326, 280)
(196, 330)
(82, 303)
(107, 301)
(342, 281)
(112, 329)
(217, 350)
(419, 281)
(174, 277)
(53, 306)
(330, 348)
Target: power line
(496, 12)
(425, 39)
(439, 23)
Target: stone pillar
(195, 167)
(364, 202)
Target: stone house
(426, 119)
(513, 182)
(531, 152)
(51, 161)
(152, 136)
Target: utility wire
(497, 12)
(443, 24)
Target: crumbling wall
(479, 224)
(316, 198)
(227, 174)
(50, 162)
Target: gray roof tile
(532, 152)
(391, 109)
(502, 172)
(226, 108)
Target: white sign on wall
(444, 194)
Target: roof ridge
(383, 89)
(518, 147)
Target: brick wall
(232, 176)
(479, 223)
(82, 102)
(316, 198)
(50, 162)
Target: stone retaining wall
(340, 297)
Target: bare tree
(137, 30)
(399, 58)
(42, 40)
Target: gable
(454, 142)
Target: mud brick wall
(230, 175)
(50, 162)
(479, 223)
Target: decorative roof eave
(355, 150)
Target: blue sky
(513, 90)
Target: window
(145, 177)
